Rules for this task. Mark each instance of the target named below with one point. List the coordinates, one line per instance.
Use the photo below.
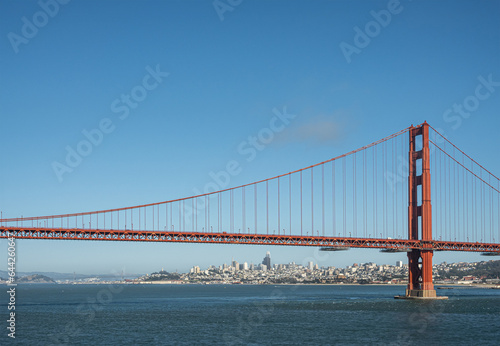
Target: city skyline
(350, 272)
(358, 273)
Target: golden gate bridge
(377, 196)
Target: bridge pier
(420, 285)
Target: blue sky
(225, 77)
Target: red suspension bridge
(378, 196)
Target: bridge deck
(236, 238)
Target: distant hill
(488, 270)
(163, 275)
(35, 279)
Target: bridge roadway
(239, 238)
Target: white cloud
(319, 129)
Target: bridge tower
(420, 216)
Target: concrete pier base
(421, 294)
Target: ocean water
(254, 315)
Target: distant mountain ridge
(68, 276)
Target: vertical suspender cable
(323, 199)
(474, 206)
(467, 198)
(394, 187)
(439, 187)
(464, 201)
(386, 197)
(267, 206)
(244, 228)
(491, 212)
(279, 211)
(255, 206)
(354, 211)
(205, 207)
(345, 194)
(375, 192)
(364, 195)
(312, 203)
(449, 199)
(456, 194)
(290, 200)
(301, 213)
(445, 200)
(334, 228)
(404, 180)
(483, 233)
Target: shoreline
(437, 287)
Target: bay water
(49, 314)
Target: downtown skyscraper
(267, 260)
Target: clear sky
(351, 71)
